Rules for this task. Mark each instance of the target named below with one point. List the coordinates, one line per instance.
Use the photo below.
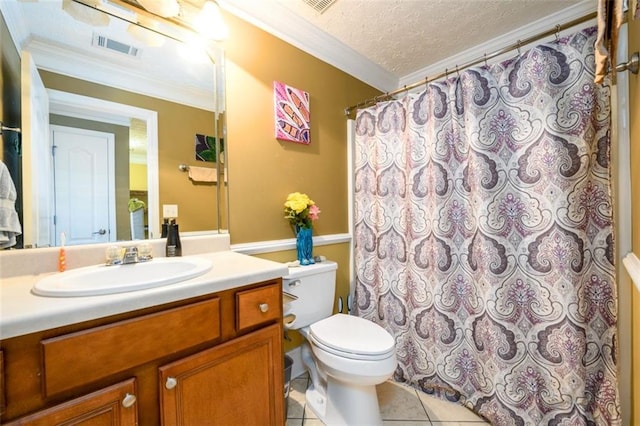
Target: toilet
(347, 356)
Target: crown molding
(530, 30)
(275, 19)
(66, 62)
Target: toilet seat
(352, 337)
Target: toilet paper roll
(289, 320)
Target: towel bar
(4, 128)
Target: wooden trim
(259, 247)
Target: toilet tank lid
(296, 272)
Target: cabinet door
(237, 383)
(115, 406)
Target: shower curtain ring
(446, 74)
(519, 53)
(457, 71)
(557, 32)
(485, 60)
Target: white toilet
(347, 356)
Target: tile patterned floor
(400, 405)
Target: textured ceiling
(405, 36)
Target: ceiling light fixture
(181, 16)
(163, 8)
(209, 22)
(84, 14)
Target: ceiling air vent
(104, 42)
(319, 5)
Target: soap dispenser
(165, 228)
(174, 247)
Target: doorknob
(100, 232)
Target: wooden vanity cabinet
(215, 359)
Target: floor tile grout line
(422, 403)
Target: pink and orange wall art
(291, 113)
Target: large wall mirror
(118, 107)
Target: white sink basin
(102, 279)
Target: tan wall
(177, 126)
(634, 115)
(263, 170)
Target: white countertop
(22, 312)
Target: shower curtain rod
(556, 30)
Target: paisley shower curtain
(484, 238)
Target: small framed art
(292, 119)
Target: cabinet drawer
(258, 306)
(79, 358)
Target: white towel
(9, 223)
(203, 174)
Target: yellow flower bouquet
(301, 211)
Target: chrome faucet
(130, 256)
(127, 256)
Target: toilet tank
(315, 288)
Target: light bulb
(209, 22)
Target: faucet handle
(144, 252)
(114, 255)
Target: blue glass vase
(304, 245)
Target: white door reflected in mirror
(84, 185)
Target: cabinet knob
(128, 400)
(264, 307)
(171, 383)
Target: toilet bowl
(346, 356)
